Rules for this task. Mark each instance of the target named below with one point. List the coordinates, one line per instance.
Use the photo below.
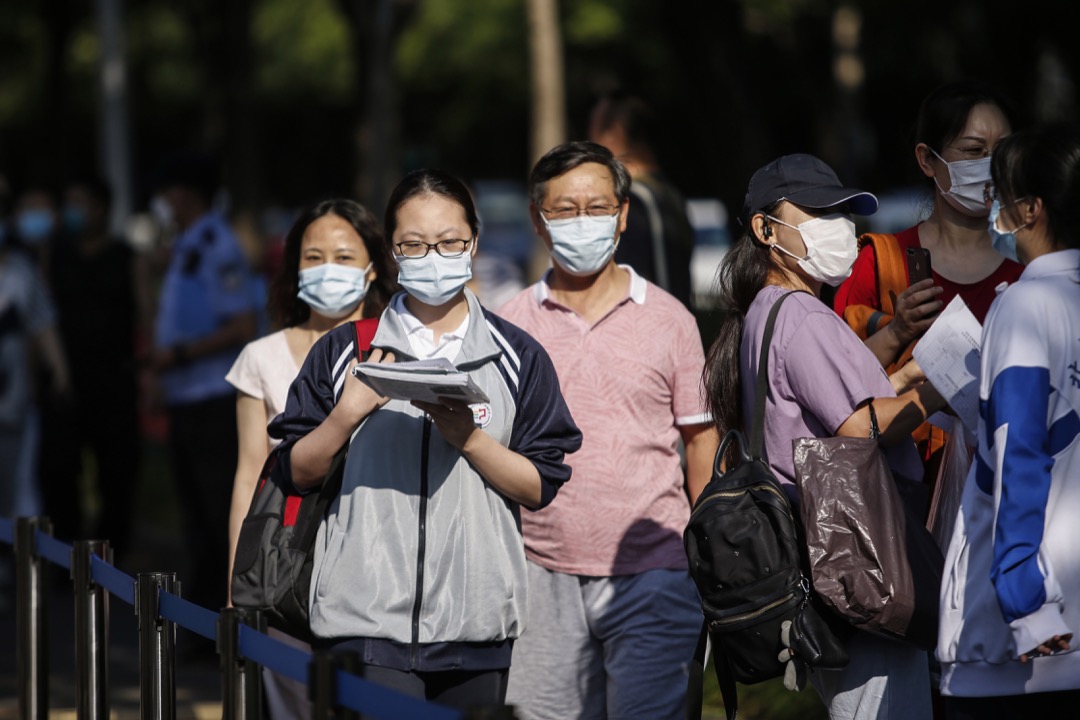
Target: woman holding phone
(956, 131)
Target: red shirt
(862, 288)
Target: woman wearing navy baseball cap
(823, 382)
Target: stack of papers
(950, 353)
(424, 380)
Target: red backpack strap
(365, 333)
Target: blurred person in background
(659, 240)
(94, 278)
(206, 314)
(1010, 599)
(29, 341)
(335, 269)
(35, 222)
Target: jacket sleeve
(544, 430)
(315, 390)
(1015, 411)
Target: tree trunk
(548, 123)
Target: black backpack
(274, 553)
(746, 556)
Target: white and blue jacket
(1012, 572)
(420, 559)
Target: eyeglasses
(414, 249)
(566, 212)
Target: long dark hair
(944, 112)
(286, 309)
(1043, 163)
(743, 272)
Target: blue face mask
(35, 226)
(333, 290)
(433, 279)
(1004, 241)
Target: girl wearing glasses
(419, 566)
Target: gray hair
(561, 159)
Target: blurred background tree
(302, 100)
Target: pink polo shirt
(630, 379)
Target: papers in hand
(950, 354)
(424, 380)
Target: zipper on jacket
(418, 600)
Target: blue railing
(244, 640)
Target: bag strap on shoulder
(331, 486)
(890, 267)
(757, 432)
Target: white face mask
(967, 181)
(583, 245)
(333, 290)
(831, 247)
(433, 279)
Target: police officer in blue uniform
(207, 311)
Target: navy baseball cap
(806, 181)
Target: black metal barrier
(244, 647)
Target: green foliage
(22, 56)
(302, 48)
(765, 701)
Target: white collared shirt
(422, 338)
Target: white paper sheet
(950, 353)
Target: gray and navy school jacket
(420, 559)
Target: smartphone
(918, 264)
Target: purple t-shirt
(819, 373)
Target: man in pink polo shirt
(613, 614)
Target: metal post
(241, 678)
(350, 663)
(91, 632)
(322, 685)
(157, 648)
(32, 653)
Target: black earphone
(766, 231)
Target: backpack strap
(365, 332)
(890, 270)
(696, 684)
(757, 432)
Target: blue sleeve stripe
(1019, 399)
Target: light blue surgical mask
(1004, 241)
(35, 226)
(582, 245)
(433, 279)
(333, 290)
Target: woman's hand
(1051, 646)
(915, 311)
(357, 399)
(454, 419)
